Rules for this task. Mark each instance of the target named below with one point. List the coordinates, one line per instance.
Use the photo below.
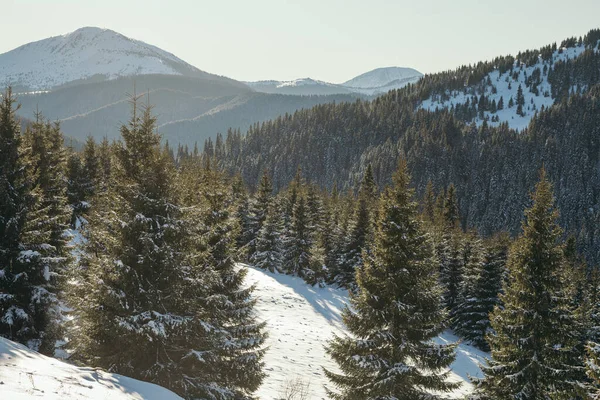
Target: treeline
(491, 167)
(146, 285)
(412, 272)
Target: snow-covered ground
(25, 374)
(301, 319)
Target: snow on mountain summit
(85, 53)
(381, 77)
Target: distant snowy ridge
(301, 319)
(25, 374)
(377, 81)
(86, 53)
(504, 86)
(381, 77)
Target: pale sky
(331, 40)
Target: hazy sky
(331, 40)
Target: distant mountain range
(377, 81)
(82, 79)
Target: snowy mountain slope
(83, 54)
(504, 86)
(25, 374)
(377, 81)
(301, 319)
(381, 77)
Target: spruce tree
(13, 192)
(429, 203)
(158, 298)
(481, 287)
(520, 101)
(268, 244)
(298, 244)
(76, 184)
(592, 365)
(395, 313)
(449, 251)
(361, 232)
(257, 213)
(237, 337)
(534, 341)
(34, 251)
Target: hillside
(493, 166)
(301, 318)
(25, 374)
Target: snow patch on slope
(25, 374)
(505, 88)
(301, 319)
(82, 54)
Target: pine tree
(520, 101)
(238, 337)
(361, 232)
(297, 253)
(76, 187)
(25, 301)
(449, 252)
(257, 212)
(12, 189)
(268, 244)
(245, 237)
(395, 314)
(105, 163)
(482, 284)
(592, 364)
(429, 203)
(159, 298)
(34, 251)
(91, 167)
(533, 345)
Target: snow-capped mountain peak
(380, 77)
(85, 53)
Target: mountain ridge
(370, 83)
(88, 53)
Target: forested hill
(493, 167)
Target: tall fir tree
(258, 210)
(534, 342)
(299, 242)
(449, 251)
(361, 232)
(481, 287)
(395, 314)
(159, 299)
(34, 245)
(268, 244)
